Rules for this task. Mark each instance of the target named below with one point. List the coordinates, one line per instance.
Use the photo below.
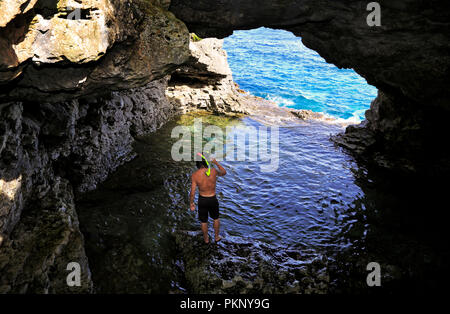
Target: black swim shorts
(208, 205)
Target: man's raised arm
(222, 170)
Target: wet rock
(222, 268)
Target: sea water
(274, 64)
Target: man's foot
(218, 239)
(206, 240)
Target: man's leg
(205, 232)
(216, 229)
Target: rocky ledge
(205, 81)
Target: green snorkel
(208, 172)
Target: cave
(81, 102)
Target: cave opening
(274, 64)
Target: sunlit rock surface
(35, 256)
(240, 266)
(61, 49)
(205, 81)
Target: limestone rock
(11, 8)
(47, 151)
(57, 51)
(205, 81)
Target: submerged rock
(239, 266)
(62, 130)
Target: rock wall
(48, 152)
(205, 81)
(407, 58)
(79, 80)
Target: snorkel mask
(208, 172)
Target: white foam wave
(280, 101)
(354, 119)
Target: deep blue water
(274, 64)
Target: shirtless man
(207, 200)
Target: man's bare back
(206, 185)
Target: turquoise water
(274, 64)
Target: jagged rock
(402, 137)
(113, 45)
(35, 256)
(11, 8)
(206, 81)
(61, 128)
(46, 149)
